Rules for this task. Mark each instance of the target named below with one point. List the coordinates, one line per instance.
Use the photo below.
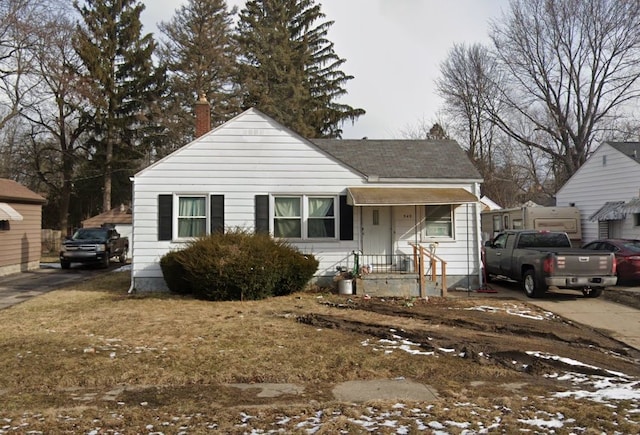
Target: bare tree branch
(572, 69)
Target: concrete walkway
(354, 391)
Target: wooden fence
(51, 241)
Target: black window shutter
(217, 214)
(346, 219)
(165, 217)
(262, 214)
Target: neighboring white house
(331, 198)
(606, 189)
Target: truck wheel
(105, 260)
(532, 287)
(123, 257)
(65, 264)
(591, 292)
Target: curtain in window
(192, 216)
(438, 221)
(288, 219)
(321, 217)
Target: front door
(376, 232)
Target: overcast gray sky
(393, 48)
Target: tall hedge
(237, 265)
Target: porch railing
(381, 263)
(426, 262)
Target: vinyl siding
(21, 244)
(248, 156)
(594, 184)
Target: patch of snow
(556, 424)
(125, 268)
(513, 310)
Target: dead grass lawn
(91, 356)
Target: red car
(627, 252)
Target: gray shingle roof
(426, 159)
(631, 149)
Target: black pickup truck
(93, 245)
(540, 259)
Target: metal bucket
(345, 287)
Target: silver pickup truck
(540, 259)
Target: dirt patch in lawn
(510, 334)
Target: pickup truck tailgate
(584, 264)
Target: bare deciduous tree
(55, 143)
(18, 20)
(570, 68)
(467, 82)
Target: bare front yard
(91, 359)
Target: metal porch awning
(383, 196)
(8, 213)
(610, 211)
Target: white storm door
(376, 231)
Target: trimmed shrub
(297, 270)
(174, 273)
(239, 265)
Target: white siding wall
(461, 252)
(252, 155)
(596, 183)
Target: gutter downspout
(132, 288)
(477, 207)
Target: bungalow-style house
(606, 190)
(367, 204)
(20, 228)
(118, 217)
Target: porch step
(396, 285)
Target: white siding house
(606, 190)
(331, 198)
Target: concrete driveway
(18, 287)
(616, 312)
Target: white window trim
(305, 216)
(423, 230)
(176, 214)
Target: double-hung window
(304, 217)
(192, 216)
(185, 216)
(287, 219)
(438, 221)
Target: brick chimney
(203, 116)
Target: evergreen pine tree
(289, 68)
(200, 57)
(121, 87)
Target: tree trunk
(106, 195)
